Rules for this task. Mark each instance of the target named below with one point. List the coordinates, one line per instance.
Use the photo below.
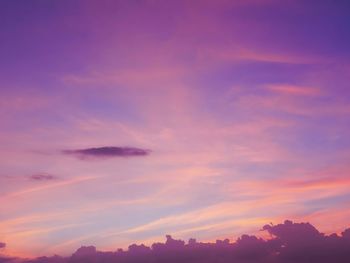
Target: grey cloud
(107, 151)
(42, 177)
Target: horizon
(124, 121)
(287, 241)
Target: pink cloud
(294, 90)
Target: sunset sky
(123, 121)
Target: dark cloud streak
(107, 151)
(42, 177)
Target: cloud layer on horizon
(290, 242)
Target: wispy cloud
(49, 186)
(238, 55)
(288, 89)
(108, 151)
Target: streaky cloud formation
(244, 104)
(108, 151)
(290, 242)
(2, 244)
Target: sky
(124, 121)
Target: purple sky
(123, 121)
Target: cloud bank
(290, 242)
(107, 151)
